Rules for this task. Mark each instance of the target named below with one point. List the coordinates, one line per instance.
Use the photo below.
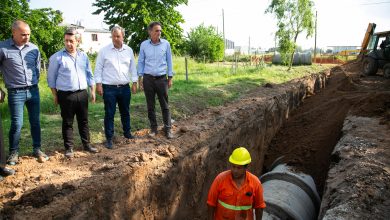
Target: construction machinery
(375, 52)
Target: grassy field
(208, 85)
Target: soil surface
(308, 137)
(144, 164)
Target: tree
(293, 17)
(9, 11)
(45, 32)
(205, 43)
(135, 15)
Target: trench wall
(358, 180)
(174, 184)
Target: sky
(339, 22)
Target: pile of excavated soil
(308, 137)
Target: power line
(375, 3)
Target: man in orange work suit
(236, 192)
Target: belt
(23, 88)
(115, 86)
(70, 92)
(155, 77)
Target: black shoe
(108, 144)
(90, 149)
(69, 153)
(6, 172)
(129, 136)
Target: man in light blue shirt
(154, 64)
(20, 65)
(69, 76)
(115, 68)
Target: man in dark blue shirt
(20, 66)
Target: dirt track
(172, 177)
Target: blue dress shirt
(20, 67)
(68, 73)
(155, 59)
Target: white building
(92, 40)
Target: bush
(204, 43)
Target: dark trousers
(2, 148)
(111, 96)
(152, 86)
(71, 104)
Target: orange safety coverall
(231, 202)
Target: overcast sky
(340, 22)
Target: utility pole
(275, 45)
(249, 47)
(315, 40)
(223, 29)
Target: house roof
(96, 30)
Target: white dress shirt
(115, 66)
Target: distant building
(244, 50)
(229, 47)
(337, 49)
(92, 40)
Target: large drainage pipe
(289, 194)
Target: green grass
(208, 85)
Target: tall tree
(205, 43)
(293, 17)
(9, 11)
(45, 32)
(135, 15)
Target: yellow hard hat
(240, 156)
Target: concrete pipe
(289, 195)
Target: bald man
(20, 66)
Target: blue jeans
(17, 98)
(111, 96)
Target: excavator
(375, 52)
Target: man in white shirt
(115, 68)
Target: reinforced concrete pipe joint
(289, 195)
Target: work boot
(4, 171)
(42, 157)
(69, 153)
(13, 158)
(90, 148)
(169, 134)
(109, 144)
(153, 132)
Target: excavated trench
(160, 179)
